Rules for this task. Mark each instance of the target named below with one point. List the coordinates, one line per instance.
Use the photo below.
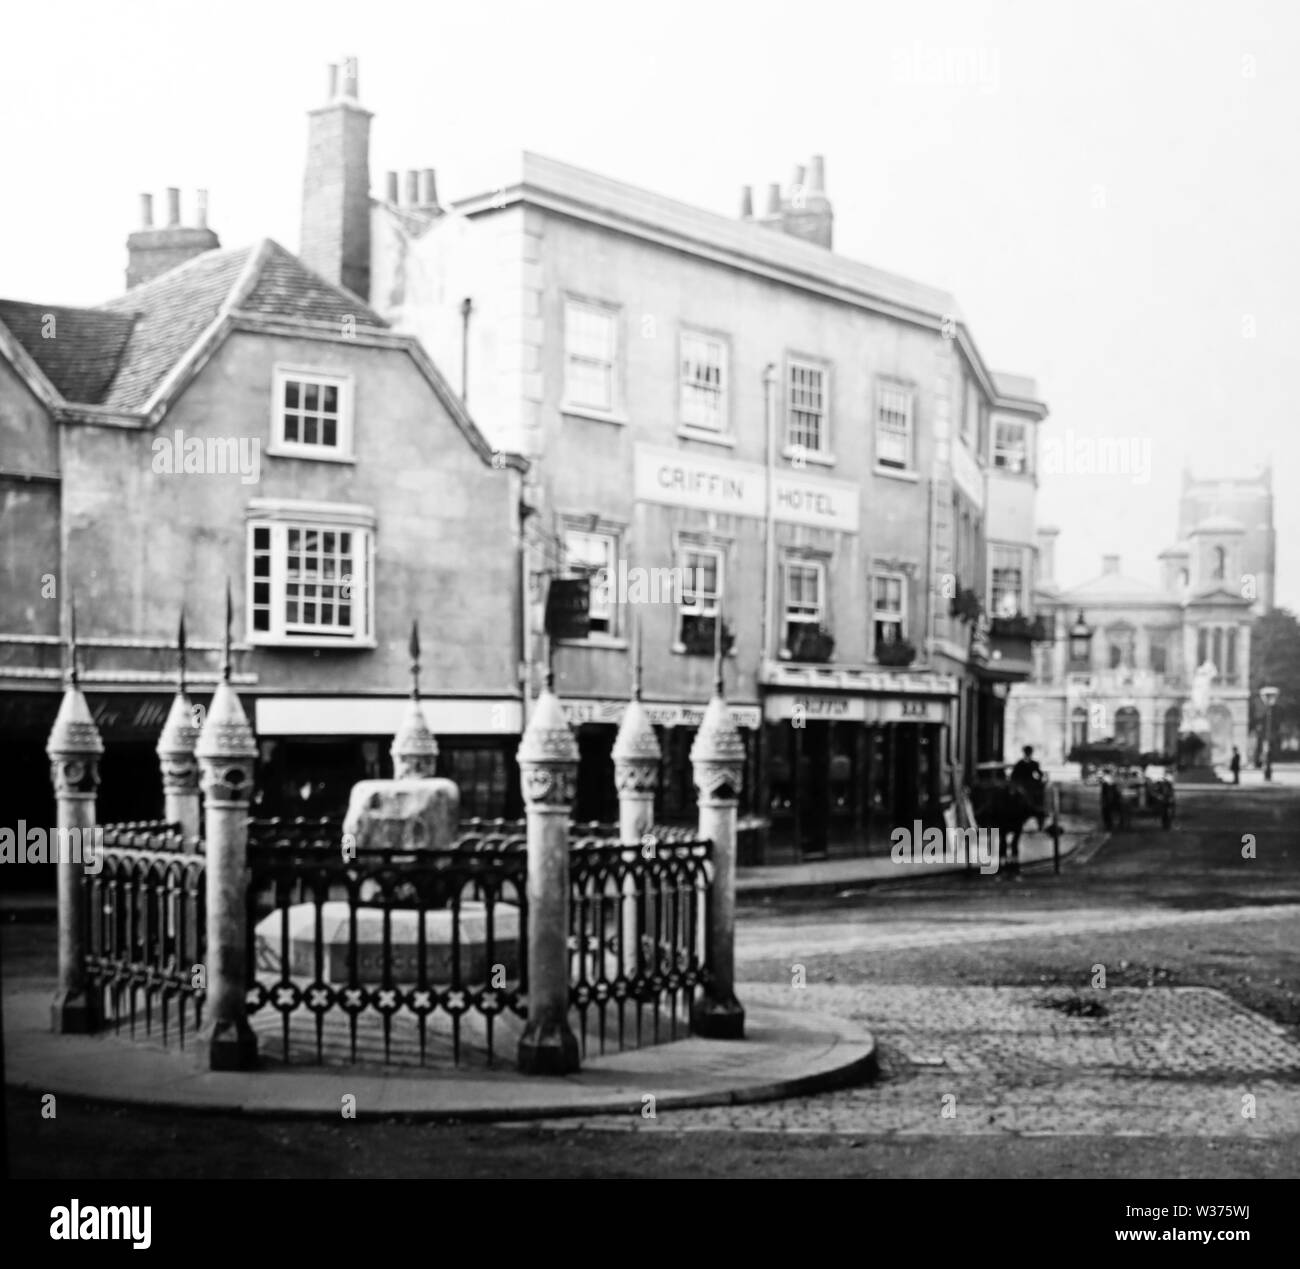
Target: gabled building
(236, 418)
(809, 442)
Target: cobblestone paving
(1151, 1062)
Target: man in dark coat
(1027, 776)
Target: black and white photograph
(654, 592)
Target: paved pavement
(786, 1052)
(1080, 832)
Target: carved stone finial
(718, 754)
(226, 748)
(414, 748)
(74, 746)
(548, 755)
(176, 745)
(636, 751)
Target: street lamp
(1269, 696)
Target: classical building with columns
(1126, 654)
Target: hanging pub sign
(568, 607)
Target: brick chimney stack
(336, 186)
(151, 251)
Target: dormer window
(311, 414)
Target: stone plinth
(475, 966)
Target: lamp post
(1269, 696)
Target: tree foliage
(1275, 662)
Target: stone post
(180, 768)
(74, 747)
(548, 765)
(636, 772)
(226, 751)
(718, 760)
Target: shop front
(595, 723)
(842, 770)
(313, 749)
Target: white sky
(1111, 195)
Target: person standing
(1235, 764)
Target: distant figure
(1235, 764)
(1027, 776)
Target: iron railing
(400, 956)
(638, 931)
(408, 940)
(146, 929)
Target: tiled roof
(79, 352)
(174, 309)
(118, 354)
(286, 287)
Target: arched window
(1173, 720)
(1128, 726)
(1078, 727)
(1220, 562)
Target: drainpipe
(466, 307)
(769, 539)
(769, 584)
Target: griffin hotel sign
(678, 479)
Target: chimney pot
(428, 188)
(173, 207)
(412, 188)
(201, 208)
(774, 199)
(817, 175)
(146, 211)
(746, 202)
(392, 188)
(349, 76)
(797, 179)
(334, 81)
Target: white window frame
(786, 619)
(888, 614)
(999, 559)
(793, 445)
(277, 517)
(1002, 454)
(342, 451)
(611, 536)
(686, 387)
(609, 313)
(698, 607)
(884, 388)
